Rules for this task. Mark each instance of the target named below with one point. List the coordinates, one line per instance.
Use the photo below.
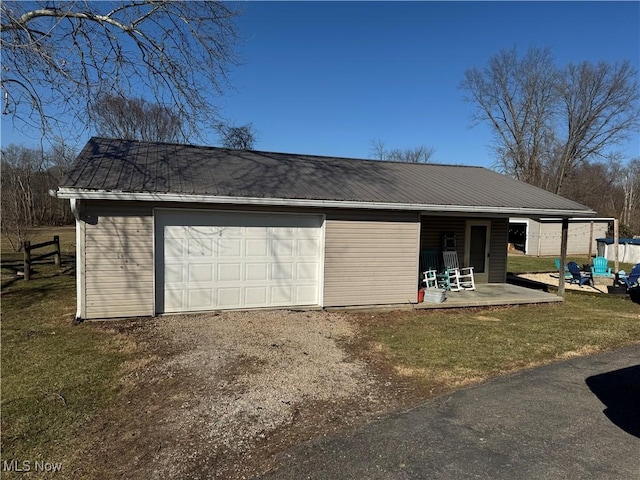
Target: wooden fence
(28, 259)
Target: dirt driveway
(218, 395)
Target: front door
(477, 248)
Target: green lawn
(449, 348)
(66, 233)
(531, 264)
(55, 375)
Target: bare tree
(20, 167)
(240, 138)
(600, 108)
(609, 187)
(596, 184)
(547, 120)
(630, 183)
(136, 119)
(58, 57)
(378, 150)
(27, 176)
(419, 154)
(517, 98)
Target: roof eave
(84, 194)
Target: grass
(55, 375)
(531, 264)
(67, 236)
(452, 348)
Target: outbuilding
(541, 236)
(169, 228)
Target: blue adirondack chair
(577, 276)
(600, 267)
(633, 279)
(567, 274)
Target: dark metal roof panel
(130, 166)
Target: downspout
(75, 209)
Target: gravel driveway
(220, 394)
(255, 370)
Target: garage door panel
(200, 298)
(256, 296)
(305, 294)
(173, 300)
(175, 273)
(256, 272)
(201, 231)
(173, 248)
(282, 295)
(199, 247)
(283, 232)
(282, 247)
(229, 247)
(307, 271)
(229, 272)
(200, 272)
(176, 231)
(281, 271)
(229, 297)
(234, 260)
(256, 247)
(307, 247)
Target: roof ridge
(289, 154)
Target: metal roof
(110, 168)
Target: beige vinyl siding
(577, 241)
(544, 237)
(433, 227)
(118, 248)
(550, 239)
(498, 250)
(371, 262)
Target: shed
(542, 236)
(167, 228)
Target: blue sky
(327, 78)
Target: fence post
(26, 246)
(56, 257)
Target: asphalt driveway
(579, 419)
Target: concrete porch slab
(492, 294)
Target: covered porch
(492, 294)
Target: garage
(168, 228)
(208, 260)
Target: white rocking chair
(463, 275)
(430, 279)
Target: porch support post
(616, 242)
(563, 255)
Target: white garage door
(220, 260)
